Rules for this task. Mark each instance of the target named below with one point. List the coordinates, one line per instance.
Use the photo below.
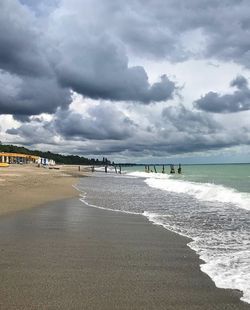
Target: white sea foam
(228, 270)
(226, 258)
(202, 191)
(151, 175)
(224, 248)
(110, 169)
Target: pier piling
(163, 169)
(179, 169)
(172, 169)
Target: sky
(137, 81)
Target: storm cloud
(170, 29)
(102, 122)
(47, 60)
(83, 46)
(123, 60)
(28, 85)
(184, 120)
(30, 95)
(238, 101)
(177, 130)
(22, 42)
(34, 133)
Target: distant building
(16, 158)
(46, 161)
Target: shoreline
(187, 238)
(85, 257)
(176, 267)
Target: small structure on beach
(46, 161)
(16, 158)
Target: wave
(201, 191)
(225, 254)
(228, 270)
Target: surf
(209, 192)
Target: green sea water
(236, 176)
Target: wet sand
(67, 255)
(26, 186)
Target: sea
(210, 204)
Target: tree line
(58, 158)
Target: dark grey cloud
(240, 82)
(27, 119)
(163, 147)
(149, 29)
(238, 101)
(83, 45)
(34, 133)
(105, 130)
(22, 118)
(30, 95)
(102, 122)
(22, 44)
(27, 83)
(184, 120)
(49, 48)
(47, 59)
(168, 28)
(185, 131)
(100, 70)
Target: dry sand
(26, 186)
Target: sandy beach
(64, 254)
(67, 255)
(26, 186)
